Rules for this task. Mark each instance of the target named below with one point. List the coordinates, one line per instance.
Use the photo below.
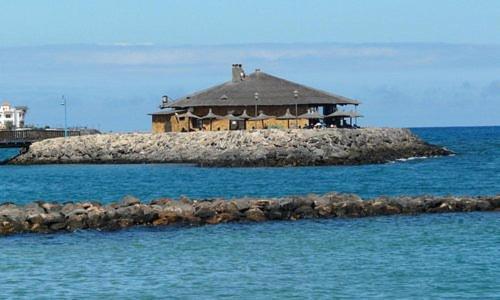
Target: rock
(255, 215)
(76, 221)
(41, 217)
(131, 212)
(494, 201)
(271, 147)
(13, 213)
(204, 210)
(67, 208)
(57, 226)
(223, 218)
(162, 201)
(242, 204)
(304, 212)
(51, 207)
(168, 217)
(129, 201)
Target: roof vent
(223, 97)
(238, 73)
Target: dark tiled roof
(272, 90)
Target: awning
(244, 115)
(355, 114)
(188, 114)
(311, 115)
(286, 116)
(261, 116)
(211, 115)
(232, 117)
(339, 114)
(344, 114)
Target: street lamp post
(296, 96)
(63, 103)
(256, 96)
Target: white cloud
(130, 55)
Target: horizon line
(124, 44)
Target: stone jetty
(47, 217)
(271, 147)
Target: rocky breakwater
(271, 147)
(46, 217)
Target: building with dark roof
(255, 101)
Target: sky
(411, 63)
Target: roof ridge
(273, 90)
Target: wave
(412, 158)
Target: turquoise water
(429, 256)
(474, 170)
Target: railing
(32, 135)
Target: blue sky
(201, 22)
(412, 63)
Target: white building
(12, 117)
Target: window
(8, 116)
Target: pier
(24, 138)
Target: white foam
(412, 158)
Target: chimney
(238, 73)
(164, 102)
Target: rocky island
(271, 147)
(46, 217)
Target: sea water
(440, 255)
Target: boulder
(129, 201)
(255, 214)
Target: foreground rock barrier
(46, 217)
(272, 147)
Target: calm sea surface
(387, 257)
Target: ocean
(431, 256)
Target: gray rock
(128, 201)
(255, 215)
(272, 147)
(72, 216)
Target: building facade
(255, 101)
(12, 117)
